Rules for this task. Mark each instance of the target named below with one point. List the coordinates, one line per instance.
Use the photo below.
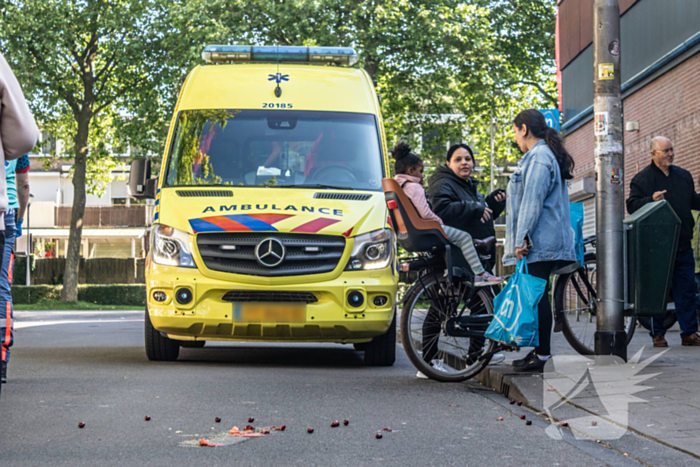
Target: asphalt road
(72, 367)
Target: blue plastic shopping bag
(515, 309)
(576, 214)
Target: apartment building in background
(114, 225)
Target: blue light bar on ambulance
(285, 54)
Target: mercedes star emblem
(270, 252)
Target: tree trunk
(70, 275)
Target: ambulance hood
(271, 210)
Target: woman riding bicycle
(538, 217)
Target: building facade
(660, 66)
(113, 226)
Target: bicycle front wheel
(424, 329)
(575, 298)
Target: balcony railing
(108, 216)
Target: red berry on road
(249, 428)
(147, 418)
(81, 425)
(217, 420)
(529, 422)
(335, 423)
(564, 424)
(378, 436)
(520, 403)
(522, 417)
(251, 419)
(499, 419)
(309, 430)
(346, 422)
(512, 401)
(282, 427)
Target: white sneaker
(420, 375)
(497, 358)
(437, 364)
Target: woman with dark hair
(538, 217)
(409, 175)
(455, 198)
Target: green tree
(440, 65)
(85, 65)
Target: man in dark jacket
(663, 180)
(455, 199)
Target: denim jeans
(684, 296)
(8, 256)
(697, 289)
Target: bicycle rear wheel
(575, 298)
(425, 319)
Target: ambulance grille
(343, 196)
(234, 252)
(204, 193)
(262, 296)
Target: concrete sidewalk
(671, 413)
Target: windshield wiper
(319, 185)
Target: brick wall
(668, 106)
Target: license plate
(253, 312)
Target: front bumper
(329, 319)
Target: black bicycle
(443, 315)
(576, 306)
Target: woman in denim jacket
(538, 224)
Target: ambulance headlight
(373, 250)
(171, 247)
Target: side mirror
(141, 185)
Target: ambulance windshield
(278, 148)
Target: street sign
(552, 117)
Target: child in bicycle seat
(409, 174)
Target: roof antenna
(278, 89)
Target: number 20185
(276, 105)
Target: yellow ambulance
(270, 221)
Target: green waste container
(652, 241)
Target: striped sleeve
(22, 164)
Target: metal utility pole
(610, 337)
(492, 150)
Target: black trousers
(544, 309)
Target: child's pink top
(415, 191)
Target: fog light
(380, 300)
(356, 299)
(159, 296)
(183, 296)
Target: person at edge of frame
(663, 180)
(17, 177)
(18, 135)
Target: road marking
(31, 324)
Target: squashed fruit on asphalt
(499, 419)
(522, 417)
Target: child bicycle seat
(416, 234)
